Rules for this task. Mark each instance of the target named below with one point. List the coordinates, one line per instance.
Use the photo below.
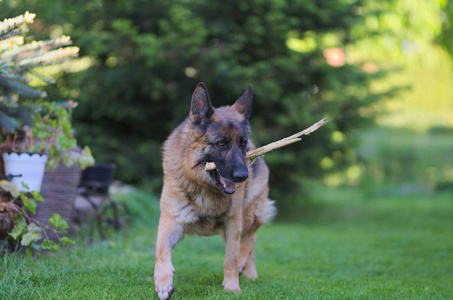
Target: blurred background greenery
(380, 70)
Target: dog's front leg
(168, 234)
(233, 229)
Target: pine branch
(48, 58)
(36, 48)
(10, 43)
(10, 25)
(21, 88)
(253, 154)
(42, 77)
(11, 34)
(7, 122)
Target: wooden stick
(253, 154)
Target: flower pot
(30, 165)
(59, 189)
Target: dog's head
(223, 137)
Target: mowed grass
(349, 247)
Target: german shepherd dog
(231, 200)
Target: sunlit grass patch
(346, 247)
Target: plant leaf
(57, 222)
(54, 157)
(29, 203)
(33, 228)
(67, 240)
(17, 231)
(28, 253)
(48, 244)
(36, 246)
(24, 185)
(37, 196)
(10, 187)
(86, 159)
(70, 157)
(33, 234)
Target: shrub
(147, 57)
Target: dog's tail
(269, 211)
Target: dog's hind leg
(168, 234)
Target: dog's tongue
(230, 187)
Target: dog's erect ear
(201, 109)
(243, 105)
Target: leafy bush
(147, 57)
(16, 212)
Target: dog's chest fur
(204, 213)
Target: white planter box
(30, 165)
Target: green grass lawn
(347, 247)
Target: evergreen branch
(9, 25)
(25, 113)
(253, 154)
(14, 77)
(21, 88)
(39, 48)
(11, 34)
(11, 42)
(50, 57)
(7, 122)
(40, 76)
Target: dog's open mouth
(223, 185)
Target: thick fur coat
(231, 201)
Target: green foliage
(32, 234)
(26, 230)
(37, 196)
(29, 203)
(147, 57)
(399, 31)
(406, 161)
(17, 61)
(57, 222)
(52, 133)
(446, 38)
(52, 130)
(50, 245)
(18, 231)
(67, 240)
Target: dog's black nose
(240, 175)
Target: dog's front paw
(231, 285)
(164, 291)
(164, 285)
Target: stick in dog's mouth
(253, 154)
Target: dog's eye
(221, 143)
(243, 142)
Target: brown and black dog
(231, 200)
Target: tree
(446, 38)
(147, 57)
